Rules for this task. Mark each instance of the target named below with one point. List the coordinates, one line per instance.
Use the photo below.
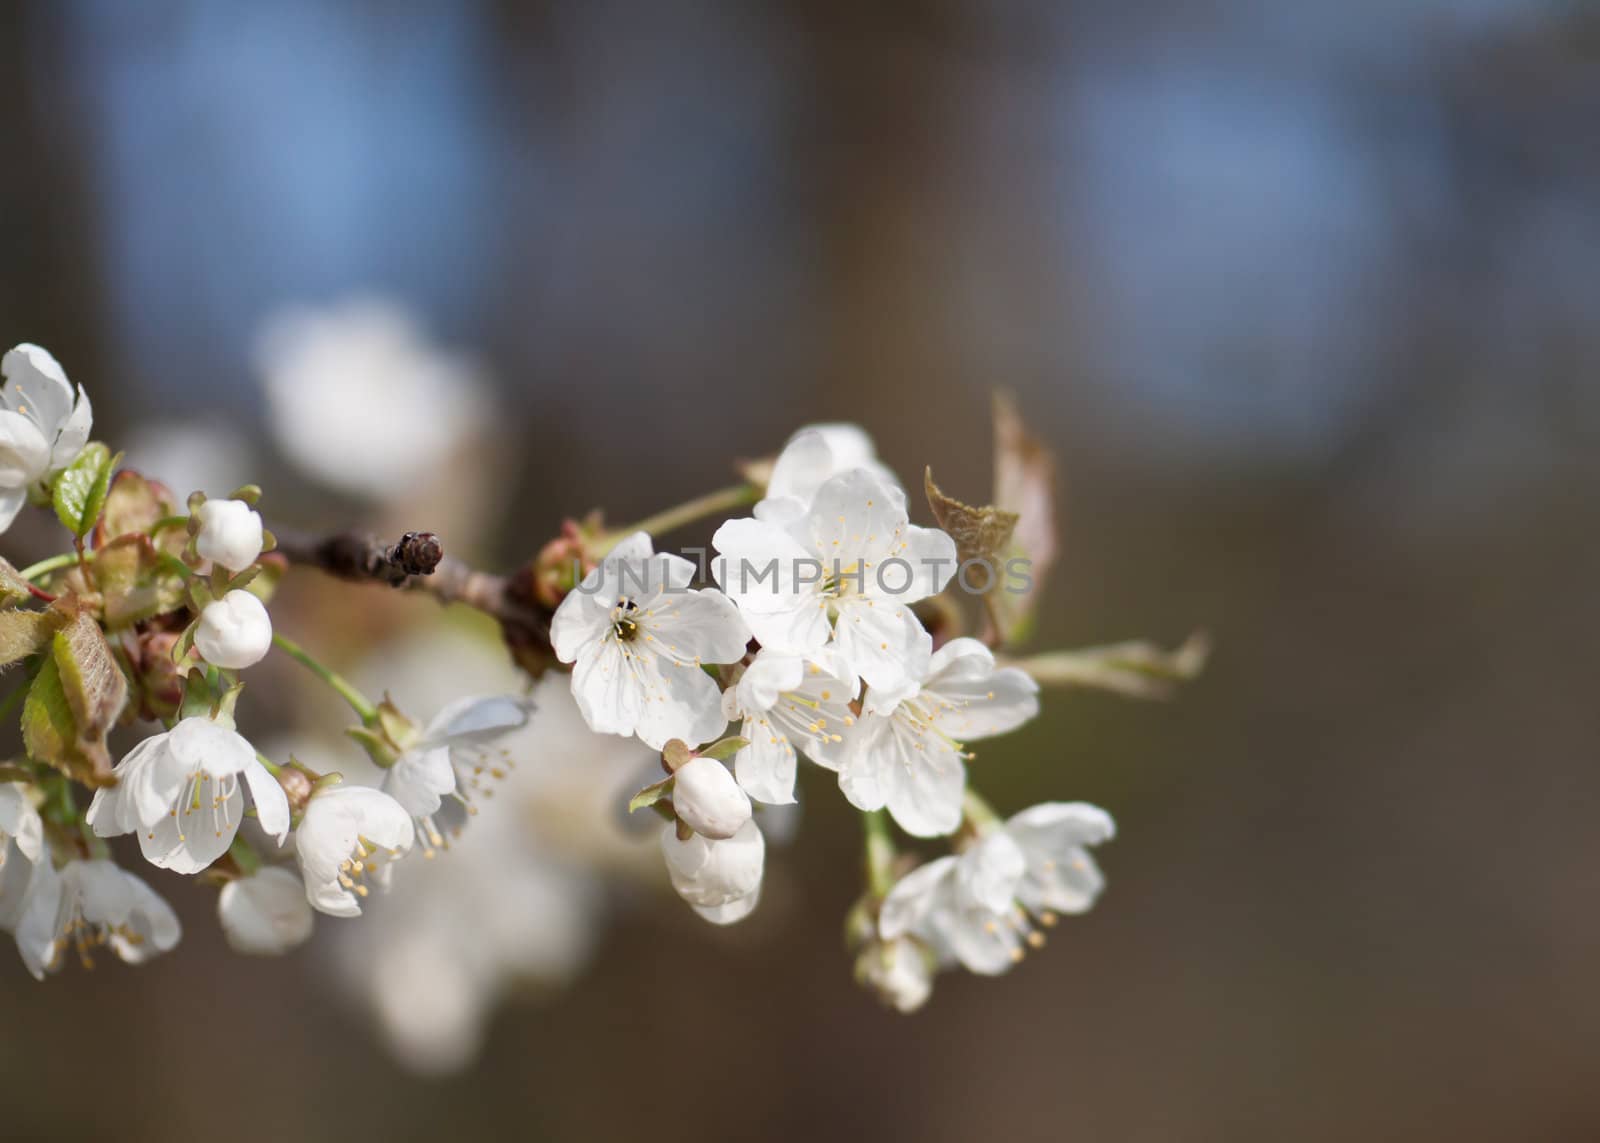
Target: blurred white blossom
(265, 913)
(359, 399)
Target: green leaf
(650, 795)
(13, 588)
(135, 581)
(725, 749)
(1136, 669)
(79, 493)
(75, 699)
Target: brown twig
(417, 562)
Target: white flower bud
(899, 972)
(266, 914)
(707, 873)
(230, 534)
(708, 800)
(734, 911)
(235, 631)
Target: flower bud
(708, 800)
(707, 873)
(235, 631)
(230, 534)
(899, 972)
(265, 914)
(734, 911)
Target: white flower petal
(478, 717)
(24, 451)
(265, 914)
(883, 643)
(200, 744)
(766, 768)
(696, 625)
(971, 699)
(913, 898)
(272, 804)
(37, 386)
(420, 779)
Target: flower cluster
(825, 626)
(151, 619)
(811, 645)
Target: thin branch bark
(417, 562)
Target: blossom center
(624, 619)
(365, 858)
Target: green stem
(54, 563)
(722, 500)
(244, 855)
(880, 853)
(979, 813)
(358, 701)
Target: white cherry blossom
(906, 753)
(230, 534)
(266, 913)
(234, 631)
(985, 907)
(89, 904)
(350, 835)
(846, 571)
(784, 704)
(813, 455)
(457, 752)
(361, 399)
(44, 424)
(638, 636)
(183, 792)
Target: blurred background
(1305, 296)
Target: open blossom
(981, 907)
(638, 636)
(89, 904)
(814, 455)
(710, 873)
(183, 793)
(708, 800)
(784, 704)
(456, 750)
(906, 753)
(266, 913)
(359, 397)
(350, 835)
(230, 534)
(234, 631)
(845, 570)
(44, 424)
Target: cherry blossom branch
(417, 562)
